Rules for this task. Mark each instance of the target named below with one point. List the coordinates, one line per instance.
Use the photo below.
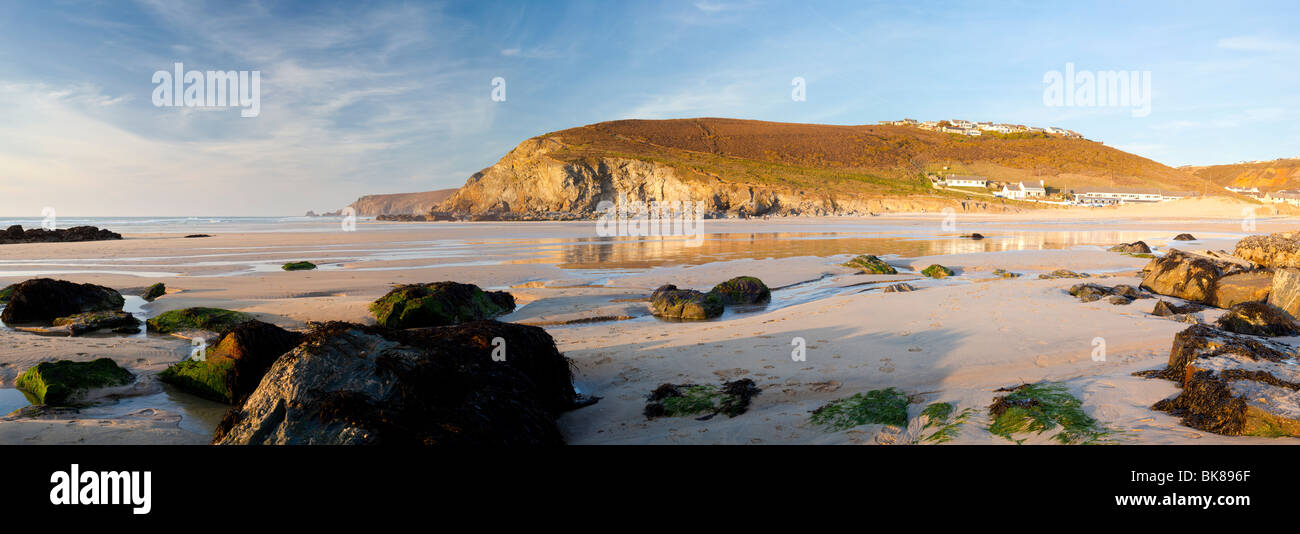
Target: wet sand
(953, 340)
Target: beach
(955, 340)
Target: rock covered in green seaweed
(743, 290)
(687, 304)
(439, 304)
(65, 382)
(871, 265)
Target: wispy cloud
(1255, 43)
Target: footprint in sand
(886, 365)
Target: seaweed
(1042, 407)
(879, 406)
(677, 400)
(211, 319)
(298, 266)
(940, 417)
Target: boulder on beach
(937, 271)
(65, 382)
(1191, 276)
(45, 299)
(1062, 273)
(1273, 250)
(16, 234)
(871, 265)
(439, 304)
(976, 237)
(900, 287)
(1248, 286)
(1184, 237)
(1165, 308)
(215, 320)
(1233, 384)
(1284, 291)
(82, 323)
(687, 304)
(354, 384)
(743, 290)
(1089, 292)
(1257, 319)
(1003, 273)
(230, 371)
(1136, 247)
(153, 292)
(298, 266)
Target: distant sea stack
(744, 168)
(16, 234)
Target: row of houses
(1093, 196)
(965, 127)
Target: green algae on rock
(743, 290)
(298, 266)
(64, 382)
(439, 304)
(209, 319)
(871, 265)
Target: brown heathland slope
(400, 203)
(1267, 176)
(765, 167)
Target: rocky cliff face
(530, 181)
(400, 203)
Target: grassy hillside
(1267, 176)
(890, 160)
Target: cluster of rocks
(1119, 295)
(1235, 380)
(16, 234)
(433, 372)
(48, 306)
(1233, 384)
(669, 302)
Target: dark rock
(1089, 292)
(16, 234)
(1258, 319)
(976, 237)
(45, 299)
(154, 291)
(403, 217)
(687, 304)
(82, 323)
(899, 288)
(439, 304)
(1233, 384)
(1136, 247)
(196, 236)
(743, 290)
(1165, 309)
(1118, 299)
(230, 371)
(1184, 237)
(65, 382)
(1003, 273)
(298, 266)
(354, 384)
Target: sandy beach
(955, 340)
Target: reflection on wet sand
(646, 252)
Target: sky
(387, 97)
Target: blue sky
(383, 97)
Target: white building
(958, 180)
(1021, 191)
(1106, 196)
